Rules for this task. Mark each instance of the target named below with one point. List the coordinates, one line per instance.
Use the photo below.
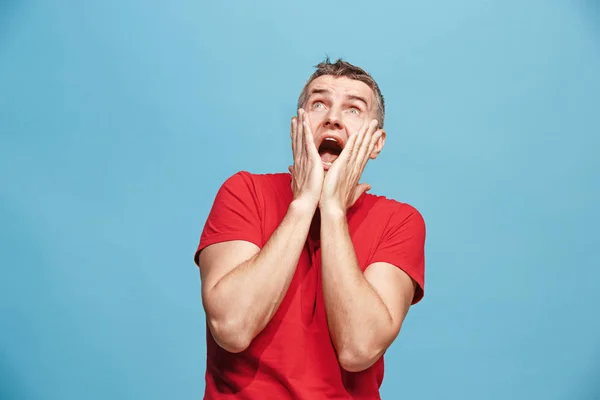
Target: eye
(354, 110)
(318, 104)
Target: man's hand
(307, 171)
(341, 188)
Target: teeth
(332, 139)
(327, 163)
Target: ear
(378, 145)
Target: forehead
(342, 87)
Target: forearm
(245, 299)
(356, 315)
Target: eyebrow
(350, 96)
(319, 91)
(359, 98)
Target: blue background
(119, 120)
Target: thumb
(291, 169)
(360, 189)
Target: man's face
(337, 108)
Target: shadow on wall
(7, 10)
(10, 385)
(13, 237)
(593, 391)
(591, 9)
(591, 388)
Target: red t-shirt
(293, 357)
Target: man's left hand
(341, 188)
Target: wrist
(303, 207)
(332, 211)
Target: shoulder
(261, 189)
(249, 178)
(395, 218)
(395, 210)
(245, 181)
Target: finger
(367, 136)
(294, 127)
(309, 140)
(374, 139)
(360, 139)
(293, 180)
(358, 163)
(348, 149)
(360, 189)
(299, 135)
(363, 150)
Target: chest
(304, 298)
(366, 225)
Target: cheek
(316, 118)
(353, 124)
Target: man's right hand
(307, 171)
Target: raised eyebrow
(358, 98)
(319, 91)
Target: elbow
(230, 335)
(357, 360)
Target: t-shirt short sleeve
(234, 214)
(403, 245)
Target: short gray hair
(342, 68)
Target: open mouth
(329, 150)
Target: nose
(333, 120)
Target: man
(306, 278)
